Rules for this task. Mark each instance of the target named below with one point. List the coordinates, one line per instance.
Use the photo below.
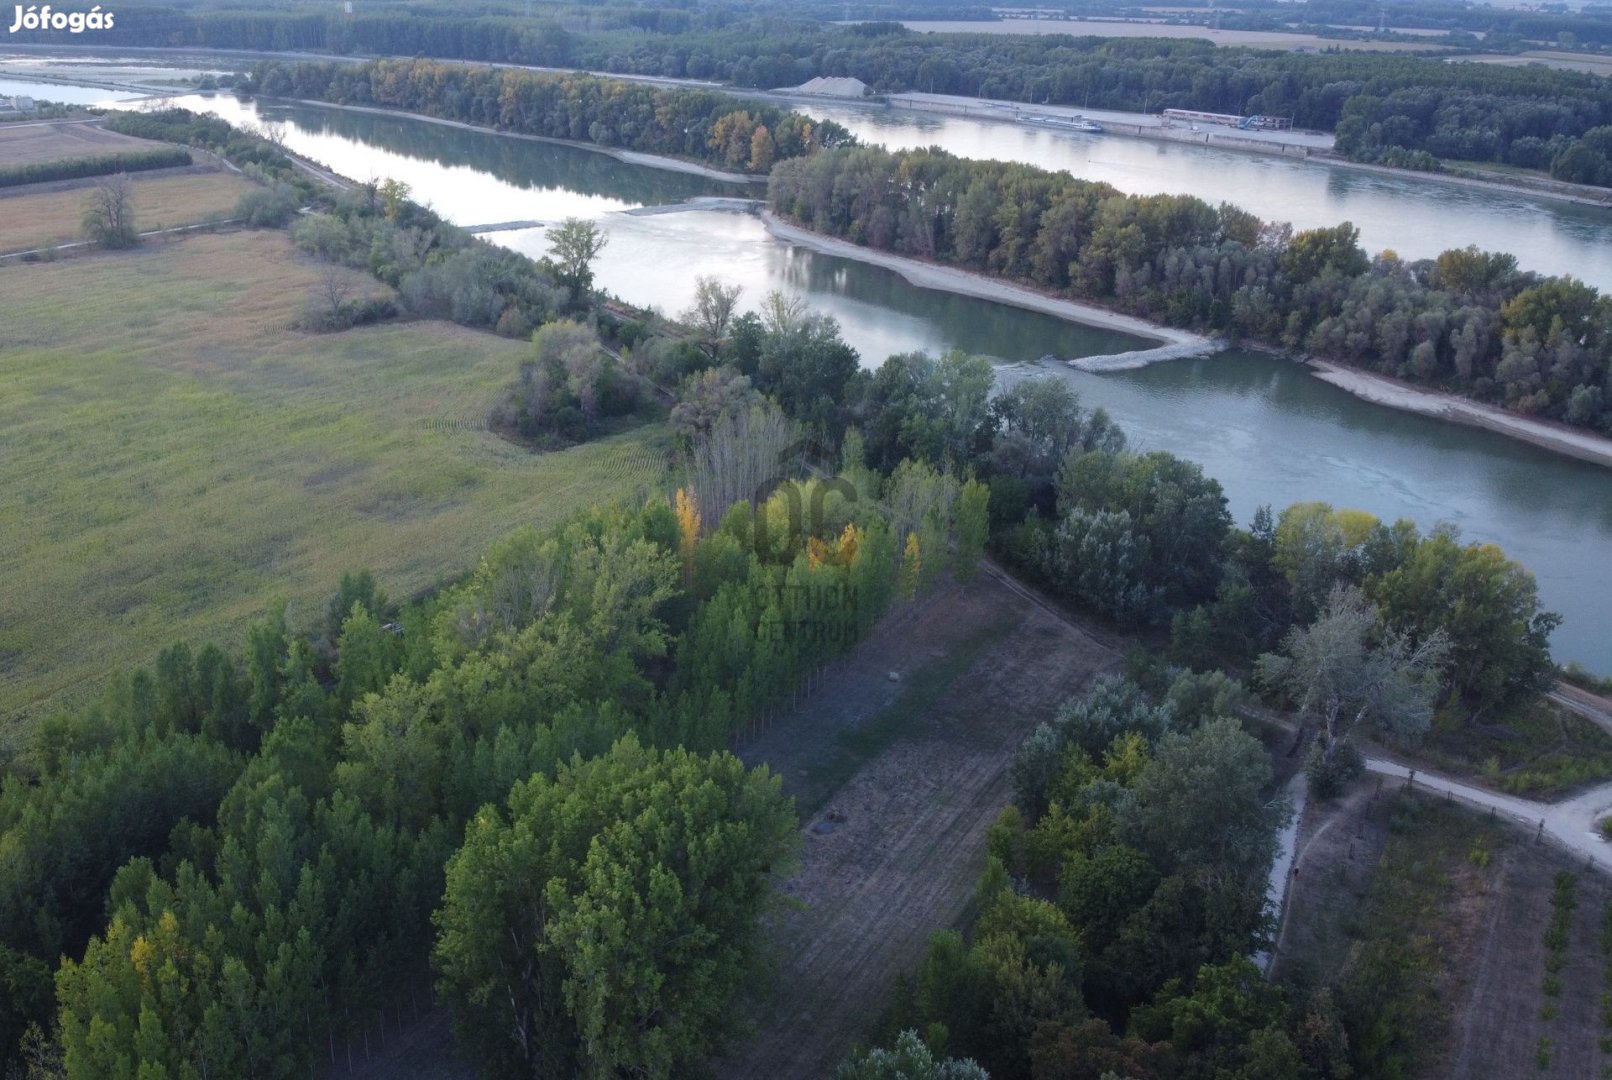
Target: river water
(1270, 432)
(1418, 217)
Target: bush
(1329, 777)
(167, 157)
(268, 207)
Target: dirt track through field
(894, 852)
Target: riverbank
(1308, 146)
(926, 275)
(1381, 390)
(1172, 344)
(630, 157)
(1312, 147)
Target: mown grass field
(31, 218)
(175, 456)
(29, 144)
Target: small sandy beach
(964, 283)
(1367, 386)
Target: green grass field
(175, 457)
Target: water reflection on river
(1268, 431)
(1416, 216)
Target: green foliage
(1343, 671)
(605, 924)
(938, 411)
(101, 165)
(1232, 1023)
(568, 390)
(269, 207)
(1469, 322)
(1330, 775)
(689, 123)
(1110, 708)
(574, 244)
(1486, 604)
(973, 528)
(908, 1059)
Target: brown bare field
(1118, 28)
(898, 781)
(1486, 889)
(32, 219)
(29, 144)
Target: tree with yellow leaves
(688, 529)
(911, 564)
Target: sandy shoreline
(963, 283)
(1177, 344)
(1584, 445)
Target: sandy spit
(1176, 344)
(1396, 395)
(962, 282)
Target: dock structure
(1257, 122)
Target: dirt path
(1570, 823)
(892, 853)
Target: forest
(101, 165)
(517, 788)
(514, 795)
(1468, 321)
(1385, 107)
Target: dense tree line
(702, 124)
(100, 165)
(207, 132)
(519, 784)
(1389, 107)
(1123, 892)
(278, 900)
(1468, 321)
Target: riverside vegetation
(1392, 108)
(519, 782)
(1469, 321)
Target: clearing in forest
(176, 456)
(897, 780)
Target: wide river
(1270, 432)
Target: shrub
(1329, 778)
(268, 207)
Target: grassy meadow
(175, 456)
(31, 217)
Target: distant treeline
(166, 157)
(1385, 107)
(1469, 321)
(702, 124)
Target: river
(1270, 432)
(1416, 216)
